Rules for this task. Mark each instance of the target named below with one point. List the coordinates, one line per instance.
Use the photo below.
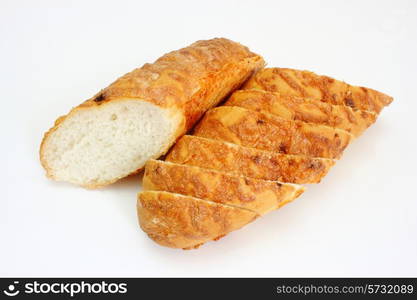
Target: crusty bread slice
(290, 82)
(186, 222)
(268, 132)
(260, 196)
(250, 162)
(304, 109)
(140, 115)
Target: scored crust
(260, 196)
(290, 82)
(250, 162)
(304, 109)
(179, 221)
(268, 132)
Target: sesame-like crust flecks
(260, 196)
(304, 109)
(290, 82)
(268, 132)
(179, 221)
(234, 159)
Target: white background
(360, 221)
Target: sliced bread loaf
(219, 163)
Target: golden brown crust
(268, 132)
(217, 155)
(260, 196)
(178, 221)
(304, 109)
(290, 82)
(187, 82)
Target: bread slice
(268, 132)
(290, 82)
(186, 222)
(260, 196)
(304, 109)
(242, 161)
(140, 115)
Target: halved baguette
(140, 115)
(268, 132)
(250, 162)
(186, 222)
(260, 196)
(290, 82)
(304, 109)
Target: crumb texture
(96, 146)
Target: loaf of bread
(304, 109)
(286, 126)
(140, 115)
(305, 84)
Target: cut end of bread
(96, 146)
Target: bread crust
(304, 109)
(290, 82)
(260, 196)
(187, 82)
(178, 221)
(250, 162)
(268, 132)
